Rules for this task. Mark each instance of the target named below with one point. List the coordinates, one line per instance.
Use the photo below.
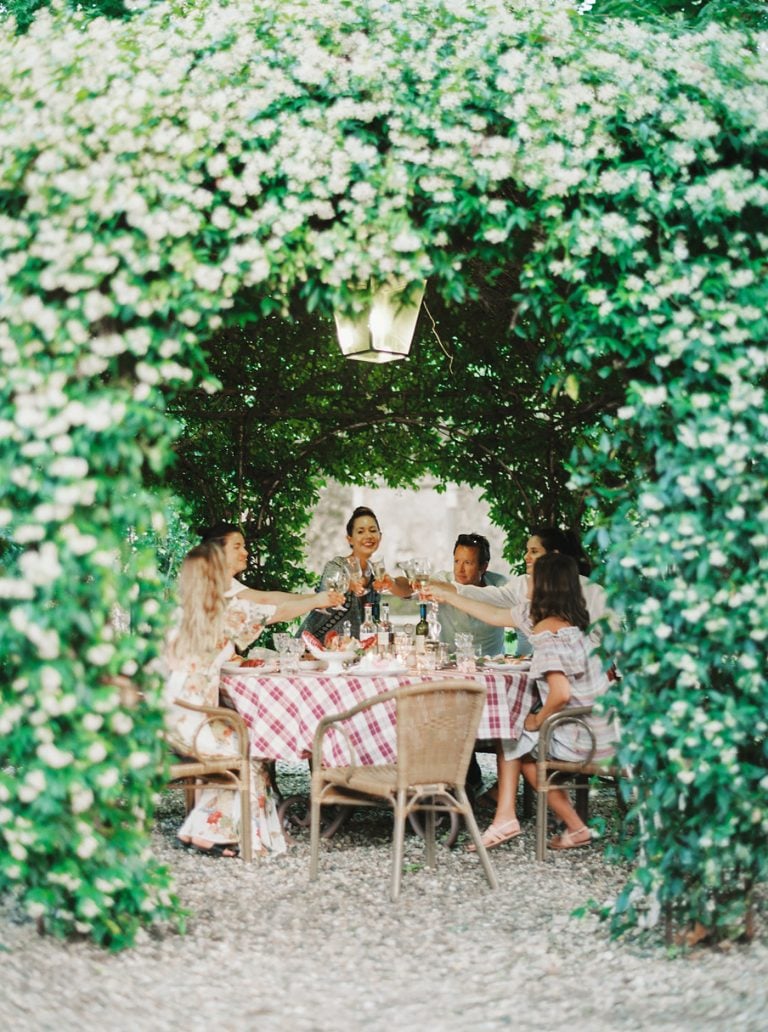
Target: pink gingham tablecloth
(282, 713)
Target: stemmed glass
(338, 580)
(379, 571)
(420, 571)
(355, 582)
(407, 567)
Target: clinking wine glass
(356, 582)
(420, 571)
(379, 571)
(338, 581)
(407, 568)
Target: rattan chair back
(436, 728)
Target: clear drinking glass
(421, 568)
(289, 663)
(379, 571)
(281, 641)
(338, 581)
(466, 662)
(356, 583)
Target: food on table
(252, 663)
(311, 641)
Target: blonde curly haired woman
(209, 626)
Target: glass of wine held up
(356, 582)
(338, 580)
(379, 571)
(420, 571)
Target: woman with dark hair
(509, 605)
(555, 539)
(364, 538)
(567, 674)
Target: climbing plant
(169, 179)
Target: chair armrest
(220, 714)
(570, 715)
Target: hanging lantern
(383, 330)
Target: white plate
(248, 671)
(259, 652)
(309, 664)
(387, 671)
(509, 668)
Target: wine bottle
(368, 628)
(384, 631)
(422, 629)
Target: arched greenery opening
(161, 178)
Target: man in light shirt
(471, 555)
(514, 594)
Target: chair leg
(246, 836)
(477, 838)
(314, 834)
(429, 838)
(398, 843)
(541, 810)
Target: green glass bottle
(422, 629)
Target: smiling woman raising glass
(363, 538)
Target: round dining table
(282, 711)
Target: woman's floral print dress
(216, 815)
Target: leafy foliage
(186, 195)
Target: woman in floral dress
(214, 618)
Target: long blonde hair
(203, 579)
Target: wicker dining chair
(436, 728)
(565, 774)
(231, 773)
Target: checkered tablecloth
(282, 713)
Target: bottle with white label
(384, 631)
(367, 627)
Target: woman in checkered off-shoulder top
(567, 675)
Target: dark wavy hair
(475, 541)
(361, 510)
(557, 590)
(218, 531)
(565, 541)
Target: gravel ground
(264, 950)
